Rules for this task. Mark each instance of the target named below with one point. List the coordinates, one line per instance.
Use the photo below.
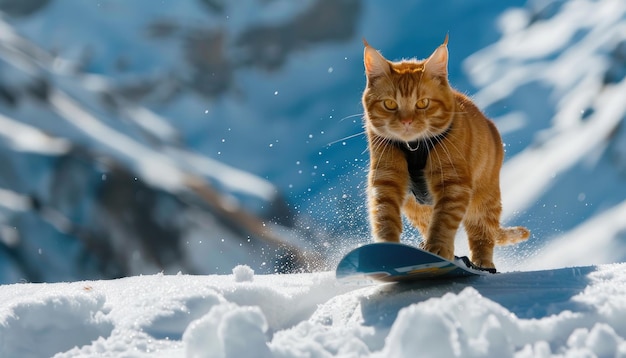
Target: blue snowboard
(392, 262)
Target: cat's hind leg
(482, 224)
(448, 212)
(419, 215)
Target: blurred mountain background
(193, 135)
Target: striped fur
(412, 100)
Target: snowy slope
(575, 311)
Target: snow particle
(330, 70)
(275, 93)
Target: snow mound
(42, 323)
(228, 331)
(243, 273)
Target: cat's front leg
(385, 200)
(448, 211)
(387, 189)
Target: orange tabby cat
(433, 156)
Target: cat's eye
(390, 104)
(422, 103)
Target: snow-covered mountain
(194, 135)
(97, 184)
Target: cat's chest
(416, 154)
(416, 158)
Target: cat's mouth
(408, 135)
(404, 134)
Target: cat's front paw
(439, 249)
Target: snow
(243, 273)
(156, 168)
(28, 139)
(604, 249)
(577, 311)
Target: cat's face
(407, 100)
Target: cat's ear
(437, 63)
(375, 64)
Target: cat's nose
(406, 121)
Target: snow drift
(565, 312)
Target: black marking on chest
(416, 154)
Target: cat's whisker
(444, 144)
(373, 146)
(447, 152)
(352, 116)
(376, 144)
(379, 143)
(345, 138)
(383, 143)
(432, 144)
